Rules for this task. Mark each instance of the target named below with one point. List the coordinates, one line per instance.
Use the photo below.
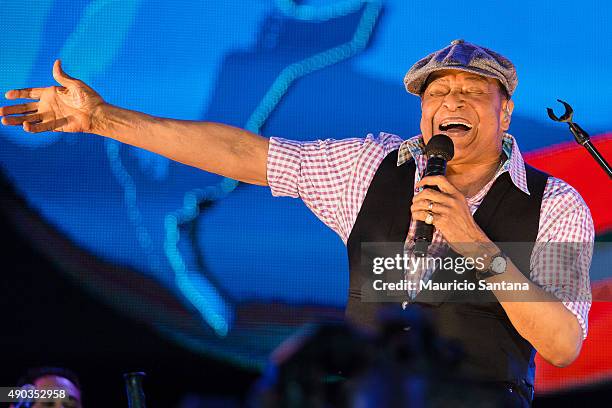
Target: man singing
(370, 189)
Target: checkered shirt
(332, 178)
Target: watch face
(499, 264)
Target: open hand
(67, 108)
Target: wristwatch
(497, 266)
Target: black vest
(493, 349)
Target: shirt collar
(514, 164)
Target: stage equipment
(582, 137)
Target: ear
(507, 108)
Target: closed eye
(476, 91)
(437, 92)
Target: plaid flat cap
(463, 56)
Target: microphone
(439, 150)
(134, 389)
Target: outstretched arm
(214, 147)
(76, 107)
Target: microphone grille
(440, 145)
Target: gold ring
(429, 218)
(430, 206)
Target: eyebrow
(477, 78)
(469, 78)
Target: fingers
(60, 76)
(18, 120)
(22, 108)
(428, 195)
(45, 126)
(439, 181)
(25, 93)
(34, 93)
(429, 206)
(422, 215)
(22, 111)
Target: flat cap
(463, 56)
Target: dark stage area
(49, 320)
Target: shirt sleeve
(330, 176)
(562, 255)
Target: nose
(454, 100)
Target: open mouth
(455, 127)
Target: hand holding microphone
(439, 150)
(442, 204)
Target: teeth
(455, 122)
